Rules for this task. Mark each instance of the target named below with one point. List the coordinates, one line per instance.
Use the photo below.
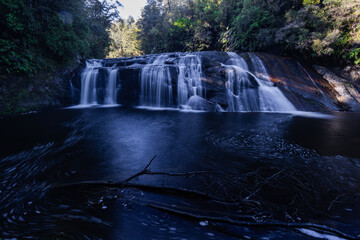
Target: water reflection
(43, 153)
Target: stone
(347, 93)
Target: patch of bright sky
(131, 8)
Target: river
(59, 171)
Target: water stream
(156, 86)
(88, 82)
(177, 80)
(253, 92)
(189, 79)
(111, 89)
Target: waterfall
(111, 90)
(189, 80)
(88, 82)
(241, 86)
(252, 91)
(156, 87)
(91, 90)
(175, 80)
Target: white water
(249, 92)
(111, 89)
(156, 87)
(89, 88)
(189, 80)
(88, 83)
(174, 80)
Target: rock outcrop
(346, 92)
(307, 88)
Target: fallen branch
(144, 171)
(313, 226)
(151, 188)
(190, 209)
(264, 183)
(302, 193)
(173, 189)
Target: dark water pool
(55, 169)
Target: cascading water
(88, 82)
(271, 97)
(189, 80)
(174, 80)
(156, 87)
(241, 88)
(111, 90)
(248, 91)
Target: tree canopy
(317, 29)
(39, 35)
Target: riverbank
(44, 90)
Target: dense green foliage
(41, 35)
(125, 41)
(317, 29)
(39, 39)
(328, 30)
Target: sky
(131, 8)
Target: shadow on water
(270, 167)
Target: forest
(320, 31)
(40, 35)
(43, 40)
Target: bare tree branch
(144, 171)
(313, 226)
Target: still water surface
(312, 166)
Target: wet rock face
(301, 84)
(201, 104)
(306, 88)
(347, 92)
(128, 84)
(214, 77)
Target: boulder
(201, 104)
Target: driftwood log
(249, 199)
